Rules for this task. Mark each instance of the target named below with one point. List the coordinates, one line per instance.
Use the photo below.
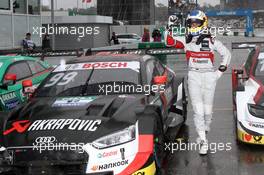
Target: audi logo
(48, 139)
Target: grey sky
(73, 3)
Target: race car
(99, 114)
(15, 69)
(248, 97)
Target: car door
(169, 90)
(130, 39)
(159, 98)
(123, 39)
(136, 38)
(13, 95)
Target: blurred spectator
(114, 38)
(28, 44)
(46, 42)
(146, 36)
(156, 35)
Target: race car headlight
(256, 110)
(126, 135)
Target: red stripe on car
(260, 89)
(145, 150)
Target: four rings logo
(42, 140)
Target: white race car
(248, 97)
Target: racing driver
(199, 46)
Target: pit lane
(241, 159)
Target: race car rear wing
(246, 45)
(149, 48)
(140, 49)
(40, 53)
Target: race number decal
(61, 79)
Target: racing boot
(203, 147)
(201, 136)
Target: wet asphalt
(227, 156)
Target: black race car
(106, 114)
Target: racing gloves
(222, 68)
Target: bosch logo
(49, 139)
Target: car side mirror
(11, 78)
(160, 80)
(28, 88)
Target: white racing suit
(202, 76)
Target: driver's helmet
(198, 17)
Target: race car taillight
(256, 110)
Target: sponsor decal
(105, 65)
(50, 143)
(72, 101)
(54, 124)
(200, 61)
(48, 139)
(151, 169)
(150, 51)
(243, 136)
(257, 138)
(9, 96)
(206, 55)
(12, 104)
(109, 165)
(19, 126)
(162, 51)
(256, 125)
(139, 173)
(9, 100)
(70, 124)
(122, 151)
(107, 154)
(134, 65)
(247, 137)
